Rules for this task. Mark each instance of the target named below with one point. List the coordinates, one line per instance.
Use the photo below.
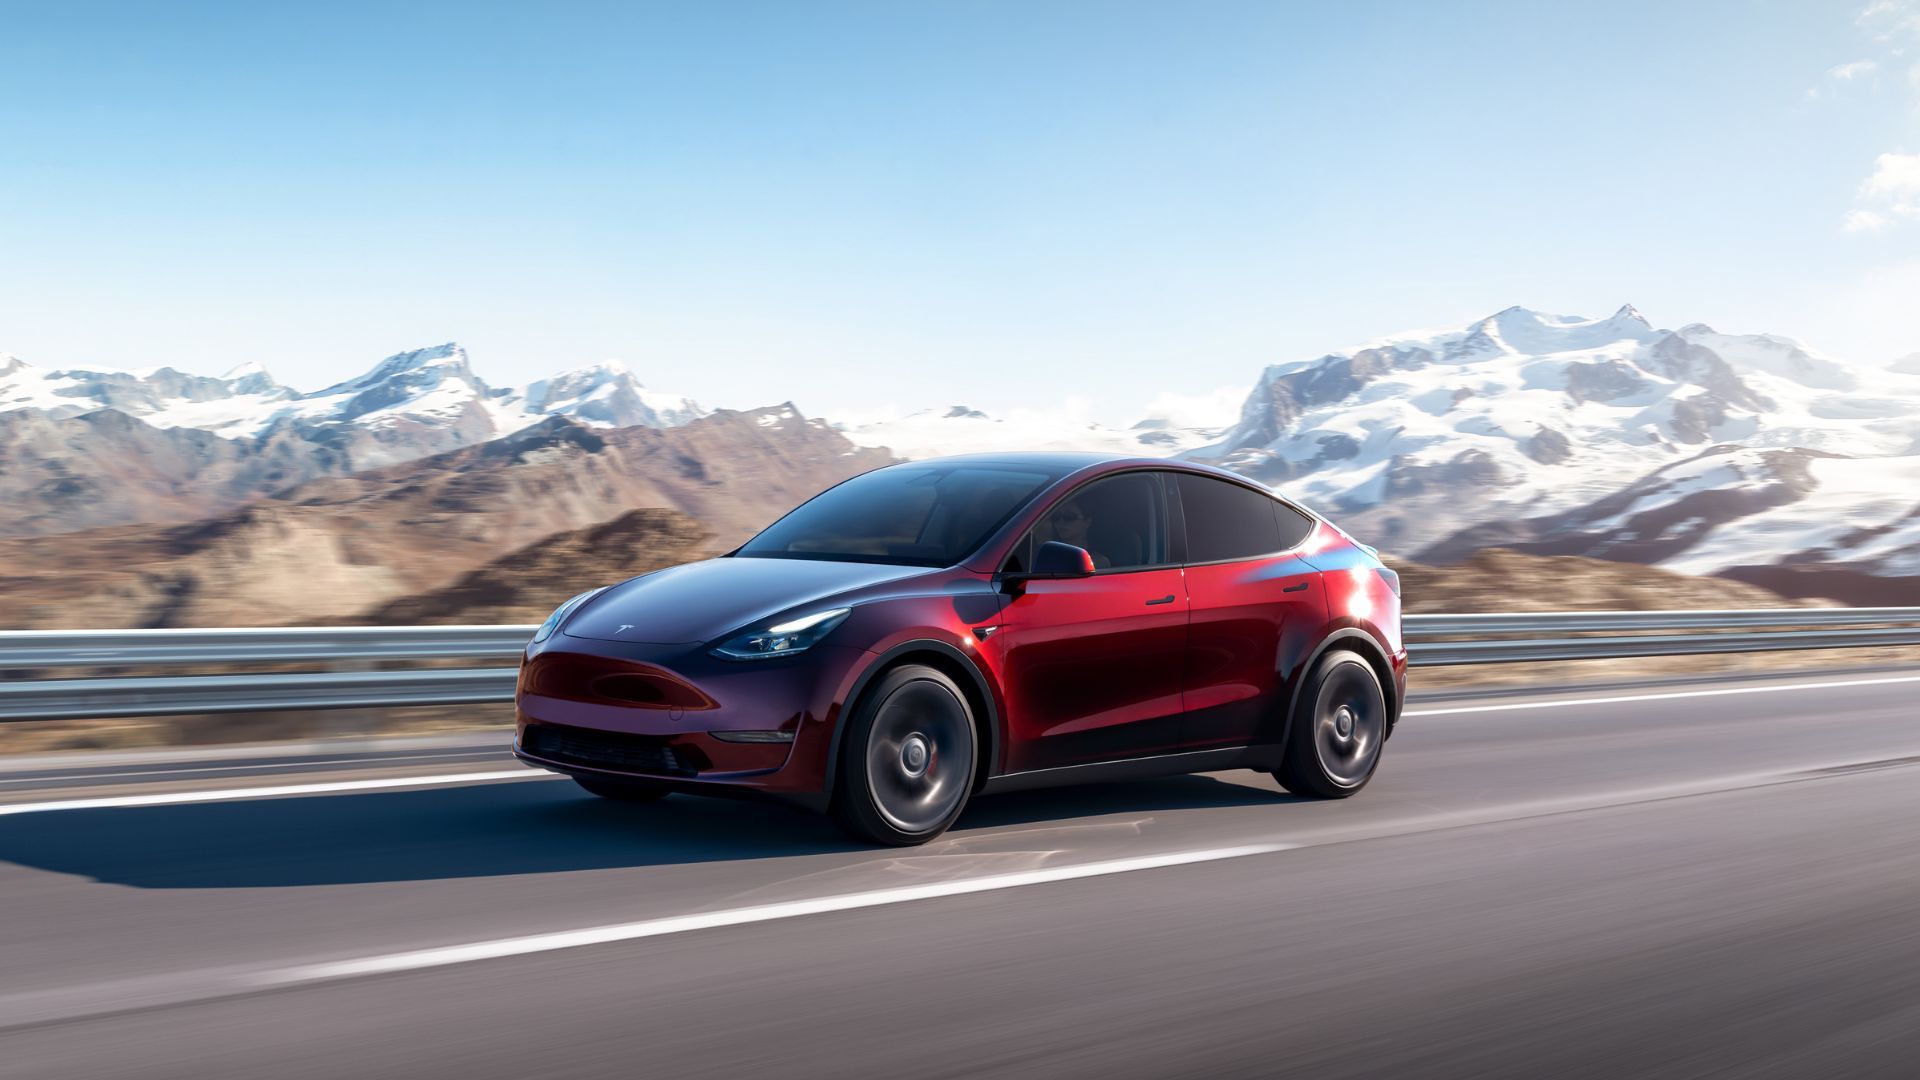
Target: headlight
(560, 614)
(790, 636)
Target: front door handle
(1167, 599)
(1296, 588)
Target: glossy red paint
(1059, 673)
(1253, 625)
(1091, 667)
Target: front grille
(601, 680)
(606, 750)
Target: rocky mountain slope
(334, 547)
(59, 474)
(1501, 580)
(524, 586)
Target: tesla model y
(934, 630)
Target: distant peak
(10, 364)
(447, 355)
(786, 410)
(604, 370)
(251, 373)
(422, 357)
(1527, 330)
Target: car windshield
(921, 514)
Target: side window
(1121, 521)
(1227, 521)
(1294, 525)
(1021, 556)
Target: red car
(937, 629)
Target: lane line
(229, 794)
(317, 765)
(680, 924)
(1671, 696)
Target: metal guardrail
(1433, 641)
(1453, 640)
(79, 699)
(1432, 627)
(127, 648)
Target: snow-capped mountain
(1694, 449)
(427, 396)
(1509, 425)
(232, 404)
(606, 395)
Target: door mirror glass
(1058, 560)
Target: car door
(1256, 607)
(1092, 666)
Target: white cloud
(1843, 73)
(1890, 195)
(1894, 176)
(1865, 221)
(1890, 20)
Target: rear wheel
(1334, 745)
(608, 787)
(907, 759)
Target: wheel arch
(1355, 640)
(950, 662)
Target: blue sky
(851, 205)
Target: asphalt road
(1677, 881)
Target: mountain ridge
(1608, 437)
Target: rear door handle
(1297, 588)
(1167, 599)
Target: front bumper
(663, 713)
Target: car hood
(703, 601)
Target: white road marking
(680, 924)
(108, 802)
(1625, 698)
(327, 763)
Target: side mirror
(1058, 560)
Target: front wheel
(1334, 743)
(907, 759)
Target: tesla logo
(624, 627)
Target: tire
(907, 760)
(623, 790)
(1330, 755)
